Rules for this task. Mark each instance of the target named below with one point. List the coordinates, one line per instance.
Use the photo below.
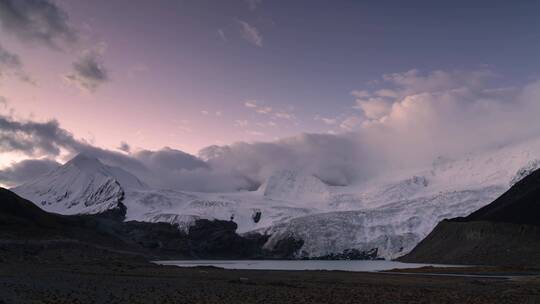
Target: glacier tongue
(394, 229)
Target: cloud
(264, 110)
(164, 168)
(429, 115)
(253, 4)
(325, 120)
(26, 170)
(9, 60)
(37, 21)
(330, 157)
(374, 107)
(33, 138)
(168, 158)
(378, 104)
(285, 115)
(241, 123)
(222, 36)
(251, 33)
(124, 147)
(350, 123)
(88, 71)
(10, 63)
(250, 104)
(48, 139)
(254, 133)
(253, 104)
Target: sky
(246, 77)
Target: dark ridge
(519, 205)
(21, 220)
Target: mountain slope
(519, 205)
(505, 232)
(81, 186)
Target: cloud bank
(26, 170)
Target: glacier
(391, 212)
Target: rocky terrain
(24, 226)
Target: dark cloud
(33, 138)
(88, 71)
(9, 60)
(39, 139)
(125, 147)
(26, 170)
(10, 63)
(40, 21)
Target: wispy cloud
(253, 4)
(328, 121)
(10, 63)
(251, 33)
(350, 123)
(264, 110)
(285, 115)
(241, 123)
(250, 104)
(254, 133)
(88, 71)
(222, 36)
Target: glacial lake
(342, 265)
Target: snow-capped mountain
(82, 185)
(391, 213)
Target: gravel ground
(116, 281)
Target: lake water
(298, 264)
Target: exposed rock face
(219, 239)
(352, 254)
(505, 232)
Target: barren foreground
(113, 281)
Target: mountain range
(390, 214)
